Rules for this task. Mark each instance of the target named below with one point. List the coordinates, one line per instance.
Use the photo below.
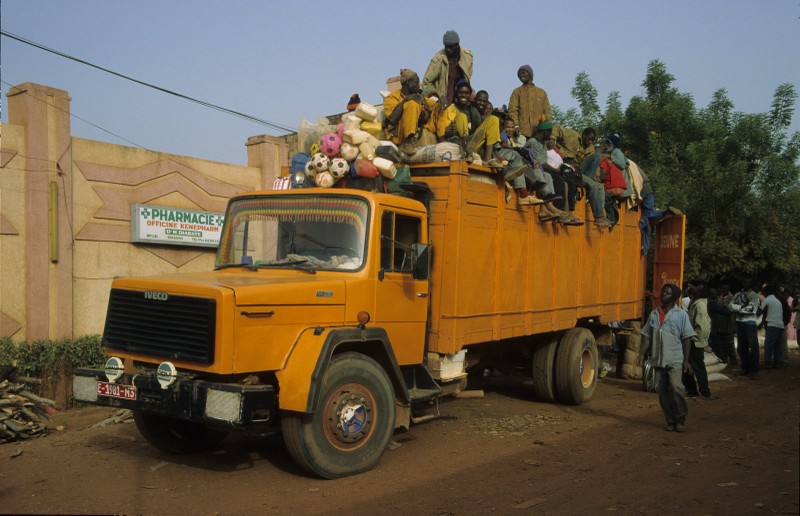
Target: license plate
(115, 390)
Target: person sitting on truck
(492, 138)
(538, 151)
(556, 161)
(648, 196)
(532, 177)
(618, 157)
(510, 144)
(410, 118)
(578, 151)
(462, 121)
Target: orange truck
(337, 315)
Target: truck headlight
(166, 374)
(223, 405)
(113, 369)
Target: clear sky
(287, 61)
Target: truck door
(668, 257)
(401, 301)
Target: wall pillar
(44, 113)
(269, 154)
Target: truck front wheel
(576, 366)
(176, 435)
(352, 427)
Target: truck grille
(179, 327)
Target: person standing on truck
(448, 66)
(668, 332)
(410, 118)
(528, 103)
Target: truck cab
(305, 284)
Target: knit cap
(450, 38)
(354, 101)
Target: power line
(115, 135)
(250, 118)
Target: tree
(735, 175)
(586, 95)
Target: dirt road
(500, 454)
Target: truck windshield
(317, 231)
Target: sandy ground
(500, 454)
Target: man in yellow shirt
(410, 118)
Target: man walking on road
(670, 332)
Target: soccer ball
(320, 162)
(339, 167)
(348, 151)
(330, 144)
(324, 179)
(310, 170)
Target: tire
(176, 435)
(356, 394)
(543, 371)
(576, 366)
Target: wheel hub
(587, 370)
(348, 418)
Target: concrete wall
(65, 213)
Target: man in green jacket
(447, 67)
(528, 103)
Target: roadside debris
(21, 412)
(120, 416)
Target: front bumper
(224, 405)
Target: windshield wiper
(298, 262)
(229, 265)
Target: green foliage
(613, 119)
(735, 175)
(586, 95)
(45, 358)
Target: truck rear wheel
(176, 435)
(576, 366)
(352, 427)
(544, 359)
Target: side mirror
(421, 262)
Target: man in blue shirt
(773, 320)
(668, 334)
